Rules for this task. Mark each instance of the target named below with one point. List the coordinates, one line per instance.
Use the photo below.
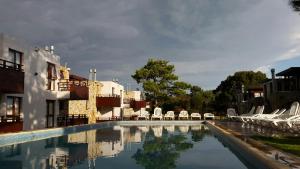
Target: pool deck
(236, 136)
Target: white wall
(106, 90)
(35, 83)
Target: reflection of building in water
(170, 129)
(104, 142)
(157, 130)
(184, 129)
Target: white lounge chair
(259, 117)
(285, 117)
(169, 115)
(209, 116)
(247, 114)
(157, 114)
(183, 115)
(264, 121)
(144, 115)
(231, 113)
(196, 116)
(258, 111)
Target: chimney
(91, 74)
(52, 49)
(273, 73)
(95, 74)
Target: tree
(201, 101)
(226, 92)
(295, 4)
(159, 81)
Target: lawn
(287, 144)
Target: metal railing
(65, 85)
(11, 65)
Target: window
(15, 59)
(13, 106)
(52, 76)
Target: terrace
(77, 86)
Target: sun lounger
(231, 113)
(285, 117)
(209, 116)
(183, 115)
(157, 114)
(196, 116)
(258, 111)
(144, 115)
(169, 115)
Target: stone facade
(87, 107)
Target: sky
(206, 40)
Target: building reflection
(85, 147)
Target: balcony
(11, 124)
(137, 104)
(11, 77)
(78, 89)
(108, 101)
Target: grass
(287, 144)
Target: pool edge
(245, 150)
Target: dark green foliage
(226, 92)
(159, 81)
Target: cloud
(206, 40)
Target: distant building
(281, 91)
(110, 102)
(134, 102)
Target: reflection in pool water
(133, 147)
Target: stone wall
(87, 107)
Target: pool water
(132, 147)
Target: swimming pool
(150, 147)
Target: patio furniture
(144, 115)
(157, 114)
(231, 113)
(169, 115)
(196, 116)
(209, 116)
(258, 111)
(183, 115)
(284, 117)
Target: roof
(76, 77)
(292, 71)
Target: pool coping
(245, 150)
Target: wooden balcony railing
(78, 89)
(138, 104)
(71, 119)
(11, 124)
(11, 77)
(108, 101)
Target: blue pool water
(156, 147)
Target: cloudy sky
(205, 39)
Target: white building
(30, 91)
